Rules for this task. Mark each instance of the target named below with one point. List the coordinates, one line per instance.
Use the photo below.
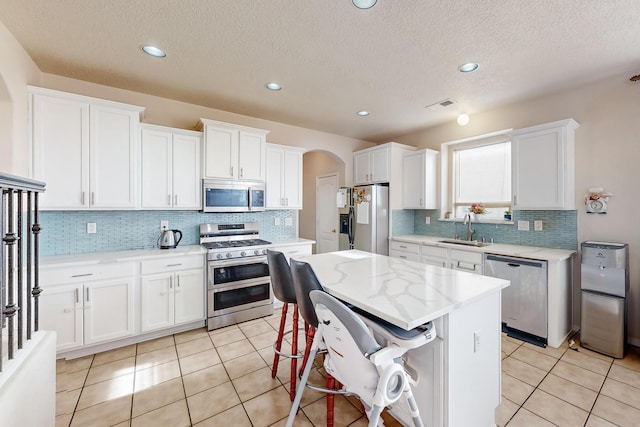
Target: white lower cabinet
(172, 292)
(455, 259)
(410, 251)
(465, 261)
(88, 305)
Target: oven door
(237, 272)
(229, 299)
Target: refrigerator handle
(351, 225)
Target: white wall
(16, 71)
(607, 155)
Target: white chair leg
(413, 406)
(317, 339)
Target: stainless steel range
(238, 282)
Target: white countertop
(139, 254)
(532, 252)
(404, 293)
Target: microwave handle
(250, 199)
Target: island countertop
(404, 293)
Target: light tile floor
(223, 378)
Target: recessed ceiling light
(463, 119)
(362, 113)
(273, 86)
(468, 67)
(154, 51)
(364, 4)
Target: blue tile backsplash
(65, 232)
(560, 228)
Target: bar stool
(374, 373)
(283, 289)
(305, 281)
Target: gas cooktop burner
(235, 244)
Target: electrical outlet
(276, 221)
(91, 228)
(523, 225)
(288, 222)
(164, 225)
(427, 219)
(537, 225)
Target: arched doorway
(317, 163)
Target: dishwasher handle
(516, 262)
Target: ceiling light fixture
(364, 4)
(463, 119)
(154, 51)
(273, 86)
(362, 113)
(468, 67)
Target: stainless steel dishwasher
(524, 302)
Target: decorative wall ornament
(596, 200)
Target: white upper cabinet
(419, 180)
(372, 165)
(284, 177)
(85, 150)
(170, 168)
(233, 152)
(543, 166)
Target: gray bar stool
(283, 289)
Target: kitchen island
(458, 374)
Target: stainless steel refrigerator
(364, 218)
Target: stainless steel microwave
(232, 196)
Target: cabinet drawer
(162, 265)
(437, 261)
(434, 252)
(405, 247)
(296, 250)
(86, 273)
(466, 257)
(405, 255)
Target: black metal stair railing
(19, 289)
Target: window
(480, 172)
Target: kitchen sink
(465, 242)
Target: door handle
(333, 231)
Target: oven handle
(238, 285)
(238, 261)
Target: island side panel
(473, 363)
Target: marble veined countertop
(404, 293)
(533, 252)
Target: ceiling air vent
(440, 105)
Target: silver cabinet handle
(82, 275)
(286, 201)
(403, 246)
(231, 170)
(171, 282)
(93, 198)
(77, 296)
(177, 281)
(174, 265)
(420, 201)
(241, 172)
(175, 200)
(87, 294)
(402, 256)
(82, 198)
(168, 199)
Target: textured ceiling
(331, 58)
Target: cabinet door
(156, 302)
(189, 296)
(61, 311)
(293, 179)
(413, 181)
(186, 172)
(156, 169)
(220, 153)
(380, 166)
(361, 168)
(251, 156)
(275, 176)
(108, 310)
(113, 146)
(61, 151)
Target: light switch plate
(288, 222)
(427, 219)
(91, 228)
(523, 225)
(164, 225)
(276, 221)
(537, 225)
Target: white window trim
(446, 166)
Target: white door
(275, 167)
(251, 154)
(326, 213)
(108, 310)
(156, 169)
(293, 179)
(186, 172)
(189, 296)
(157, 299)
(61, 311)
(361, 168)
(221, 153)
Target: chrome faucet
(470, 231)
